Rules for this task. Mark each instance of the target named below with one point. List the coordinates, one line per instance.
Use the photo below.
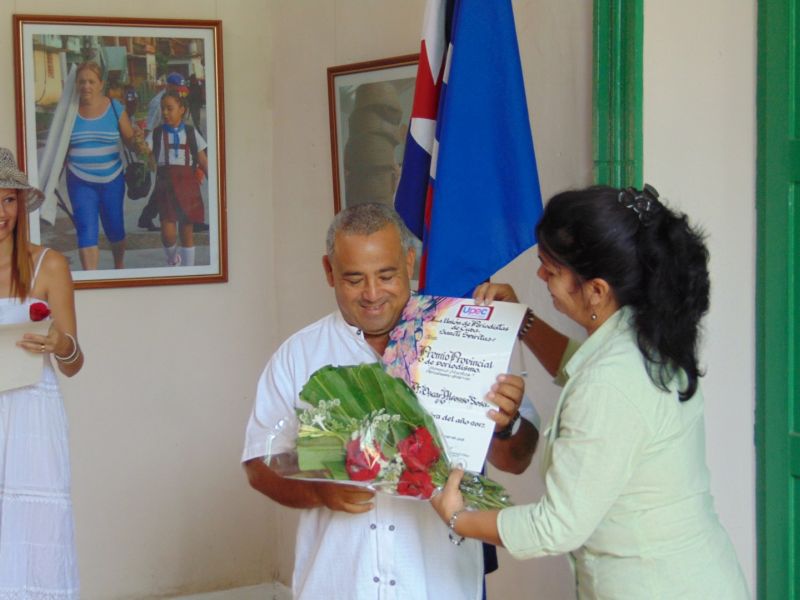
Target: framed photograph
(121, 123)
(370, 108)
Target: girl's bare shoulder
(54, 264)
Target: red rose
(418, 450)
(415, 483)
(39, 311)
(363, 464)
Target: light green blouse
(627, 487)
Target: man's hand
(485, 293)
(512, 454)
(346, 498)
(506, 394)
(297, 493)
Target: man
(352, 543)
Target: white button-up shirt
(400, 549)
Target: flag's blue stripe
(486, 198)
(409, 199)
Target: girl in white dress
(37, 549)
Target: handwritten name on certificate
(452, 351)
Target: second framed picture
(370, 107)
(121, 124)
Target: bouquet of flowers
(366, 426)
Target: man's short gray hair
(366, 219)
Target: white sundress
(37, 548)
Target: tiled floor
(266, 591)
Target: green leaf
(360, 389)
(337, 470)
(367, 379)
(332, 383)
(314, 453)
(400, 431)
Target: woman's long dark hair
(654, 261)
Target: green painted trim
(794, 453)
(777, 336)
(617, 114)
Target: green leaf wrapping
(330, 383)
(362, 389)
(314, 453)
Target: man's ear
(326, 264)
(411, 256)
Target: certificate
(20, 367)
(450, 351)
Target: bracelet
(72, 356)
(72, 360)
(456, 539)
(526, 323)
(509, 430)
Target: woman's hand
(54, 342)
(449, 500)
(487, 292)
(139, 143)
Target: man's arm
(295, 493)
(269, 429)
(514, 454)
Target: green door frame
(617, 140)
(617, 114)
(777, 293)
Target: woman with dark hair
(627, 487)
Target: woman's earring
(594, 317)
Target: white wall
(699, 152)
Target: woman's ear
(599, 294)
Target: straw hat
(12, 178)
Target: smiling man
(351, 543)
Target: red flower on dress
(415, 483)
(363, 464)
(418, 450)
(39, 311)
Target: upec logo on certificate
(472, 311)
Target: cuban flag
(469, 187)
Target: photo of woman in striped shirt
(95, 178)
